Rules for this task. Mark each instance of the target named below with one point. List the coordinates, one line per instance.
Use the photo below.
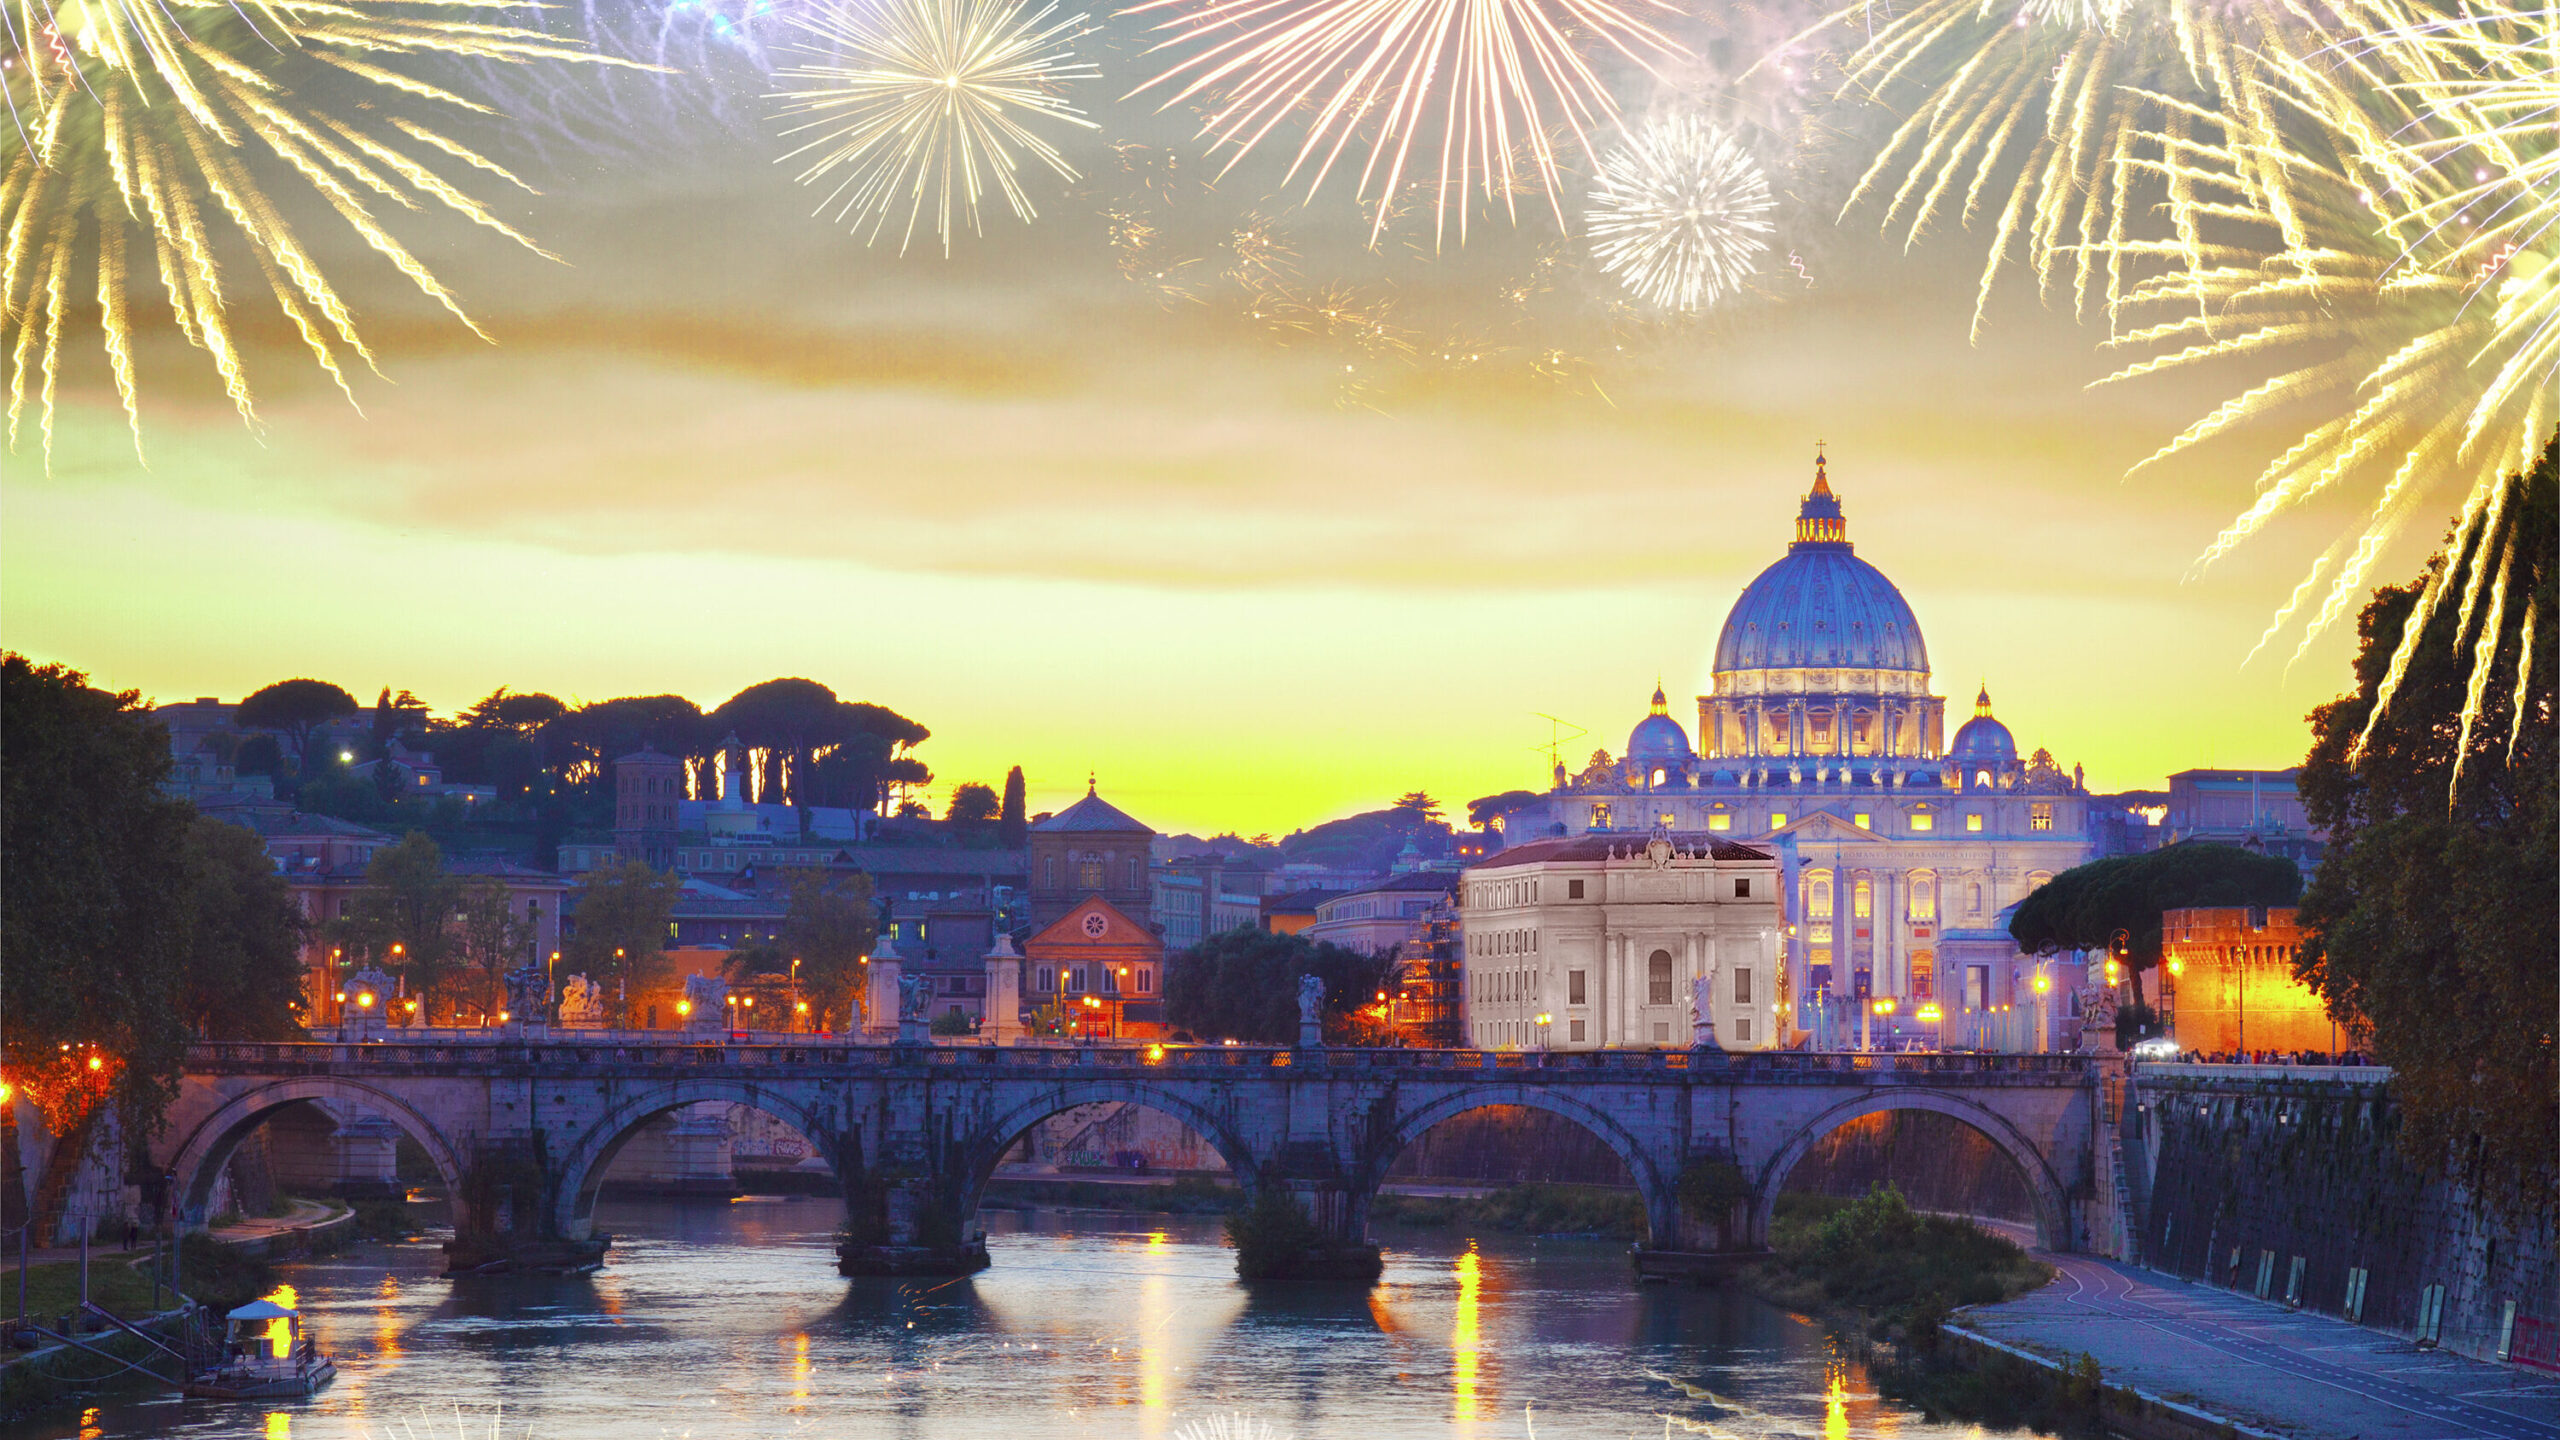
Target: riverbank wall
(2287, 1183)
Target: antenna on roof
(1554, 748)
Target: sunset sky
(1071, 525)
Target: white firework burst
(917, 104)
(1680, 213)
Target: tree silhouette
(296, 707)
(1011, 826)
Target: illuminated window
(1599, 817)
(1089, 875)
(2040, 815)
(1777, 819)
(1719, 823)
(1862, 900)
(1924, 896)
(1666, 819)
(1982, 779)
(1657, 978)
(1973, 822)
(1865, 820)
(2037, 880)
(1657, 779)
(1924, 974)
(1924, 821)
(1818, 897)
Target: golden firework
(925, 100)
(148, 131)
(2389, 249)
(1475, 81)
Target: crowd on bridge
(2272, 1057)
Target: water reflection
(1466, 1339)
(729, 1323)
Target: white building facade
(1594, 942)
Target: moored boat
(266, 1355)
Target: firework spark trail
(1471, 80)
(923, 99)
(1680, 213)
(137, 113)
(2401, 227)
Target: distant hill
(1370, 840)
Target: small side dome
(1982, 737)
(1657, 738)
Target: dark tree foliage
(93, 881)
(1012, 824)
(972, 804)
(829, 928)
(1370, 840)
(296, 707)
(124, 918)
(402, 921)
(1242, 984)
(2435, 914)
(510, 710)
(619, 929)
(2089, 906)
(259, 755)
(245, 934)
(1484, 811)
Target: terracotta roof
(1629, 846)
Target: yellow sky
(1067, 527)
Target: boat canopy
(263, 1310)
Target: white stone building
(1602, 936)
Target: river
(724, 1322)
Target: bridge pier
(502, 1213)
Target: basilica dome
(1820, 606)
(1657, 737)
(1983, 738)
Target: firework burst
(1472, 81)
(920, 103)
(2393, 253)
(1680, 213)
(147, 129)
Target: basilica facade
(1823, 743)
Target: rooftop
(1619, 846)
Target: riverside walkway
(2288, 1373)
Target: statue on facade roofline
(1702, 1022)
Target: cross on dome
(1982, 701)
(1818, 521)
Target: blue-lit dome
(1820, 606)
(1658, 738)
(1982, 737)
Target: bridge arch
(984, 1149)
(2053, 1211)
(589, 1154)
(1653, 1182)
(201, 1155)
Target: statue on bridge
(528, 994)
(582, 1004)
(1310, 1011)
(1702, 1013)
(367, 1005)
(706, 999)
(915, 1009)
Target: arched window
(1089, 874)
(1818, 896)
(1657, 978)
(1131, 871)
(1049, 872)
(1982, 779)
(1975, 908)
(1862, 900)
(1924, 895)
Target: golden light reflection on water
(280, 1329)
(1835, 1401)
(1464, 1340)
(1153, 1320)
(386, 1324)
(279, 1425)
(801, 1369)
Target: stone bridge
(523, 1129)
